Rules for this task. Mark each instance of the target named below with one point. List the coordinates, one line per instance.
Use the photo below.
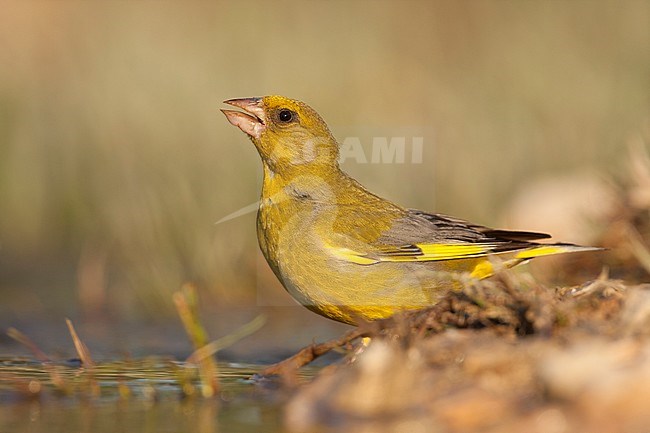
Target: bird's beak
(253, 122)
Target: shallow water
(149, 395)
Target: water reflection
(155, 400)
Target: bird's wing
(425, 237)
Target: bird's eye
(286, 116)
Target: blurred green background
(115, 162)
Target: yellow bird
(344, 252)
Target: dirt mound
(497, 356)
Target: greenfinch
(344, 252)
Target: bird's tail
(489, 266)
(540, 250)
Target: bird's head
(288, 134)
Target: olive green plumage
(344, 252)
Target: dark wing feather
(418, 227)
(498, 234)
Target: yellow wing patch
(414, 253)
(435, 252)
